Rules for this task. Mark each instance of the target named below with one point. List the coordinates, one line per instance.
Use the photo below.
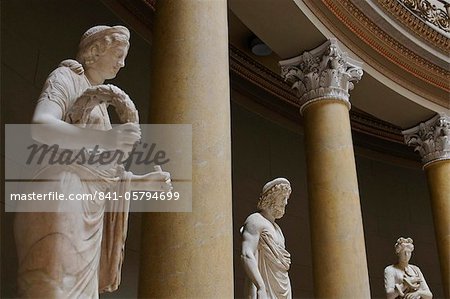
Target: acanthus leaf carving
(322, 73)
(431, 139)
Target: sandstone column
(432, 140)
(322, 78)
(190, 255)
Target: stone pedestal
(322, 78)
(432, 140)
(190, 255)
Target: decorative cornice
(388, 46)
(250, 70)
(428, 12)
(324, 73)
(431, 139)
(428, 80)
(365, 123)
(415, 24)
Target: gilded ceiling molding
(250, 70)
(372, 37)
(429, 12)
(388, 46)
(431, 139)
(324, 73)
(416, 24)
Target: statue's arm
(250, 235)
(424, 290)
(393, 290)
(51, 129)
(152, 181)
(49, 114)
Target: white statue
(404, 280)
(79, 254)
(264, 257)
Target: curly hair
(403, 244)
(102, 42)
(269, 198)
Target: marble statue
(79, 254)
(264, 257)
(403, 280)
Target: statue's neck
(94, 77)
(402, 265)
(268, 216)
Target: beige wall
(394, 199)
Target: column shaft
(190, 255)
(438, 175)
(339, 257)
(432, 140)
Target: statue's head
(274, 197)
(104, 48)
(404, 248)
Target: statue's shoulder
(68, 75)
(69, 68)
(62, 73)
(255, 217)
(416, 268)
(390, 268)
(256, 220)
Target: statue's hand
(152, 181)
(413, 295)
(400, 288)
(412, 283)
(122, 137)
(74, 65)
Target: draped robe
(73, 254)
(394, 275)
(273, 263)
(273, 260)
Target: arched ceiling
(406, 80)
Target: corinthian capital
(323, 73)
(431, 139)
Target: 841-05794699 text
(97, 195)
